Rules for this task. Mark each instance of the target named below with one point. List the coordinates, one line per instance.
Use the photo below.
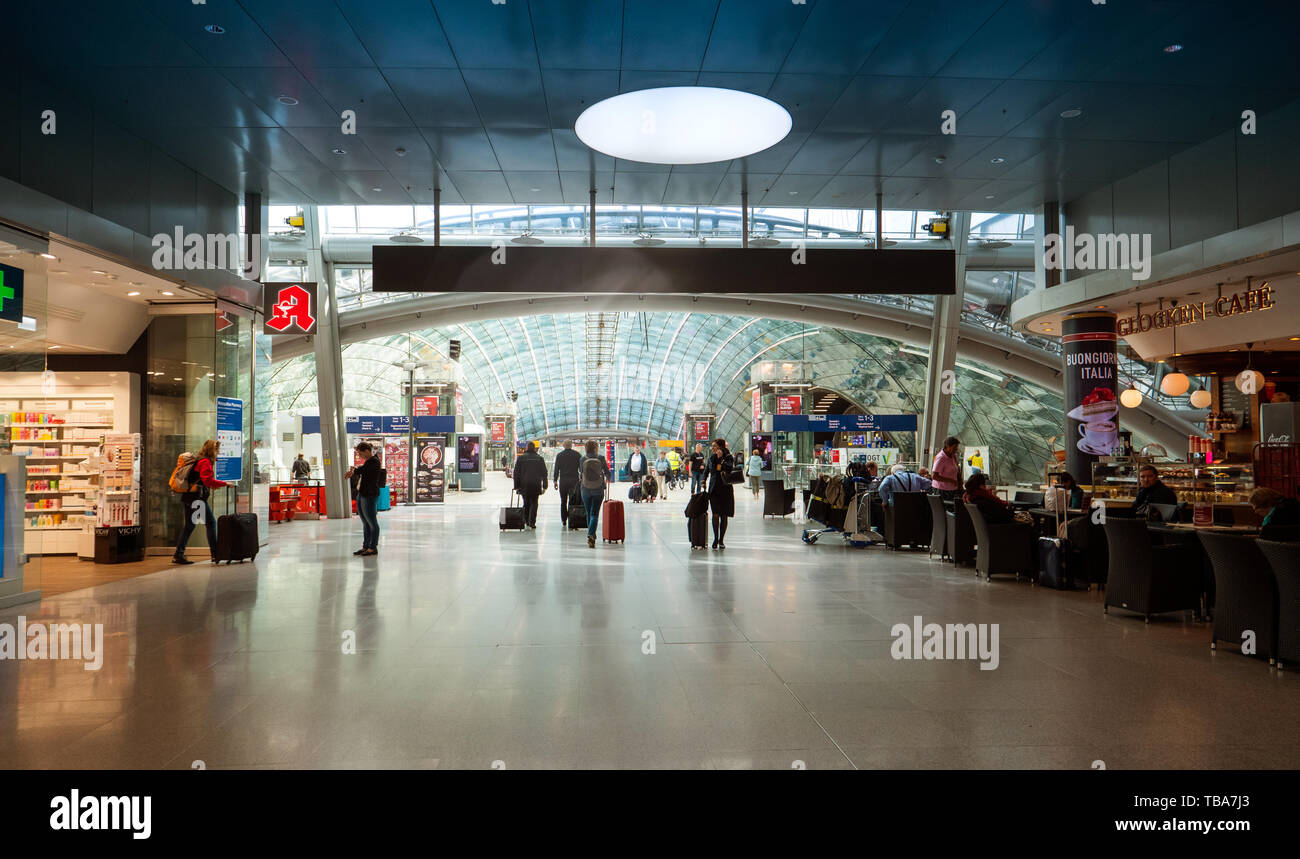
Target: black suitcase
(512, 517)
(697, 529)
(698, 505)
(236, 538)
(577, 513)
(1053, 571)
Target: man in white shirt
(637, 465)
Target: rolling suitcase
(697, 529)
(236, 537)
(611, 521)
(1053, 572)
(577, 513)
(511, 518)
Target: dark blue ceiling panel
(508, 98)
(524, 149)
(743, 41)
(472, 88)
(363, 90)
(433, 96)
(311, 34)
(840, 35)
(569, 92)
(399, 33)
(461, 148)
(925, 35)
(578, 34)
(667, 37)
(486, 35)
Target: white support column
(335, 458)
(940, 377)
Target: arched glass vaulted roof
(633, 373)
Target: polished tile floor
(528, 649)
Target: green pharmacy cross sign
(11, 293)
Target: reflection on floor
(62, 573)
(473, 646)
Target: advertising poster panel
(1091, 401)
(467, 453)
(429, 470)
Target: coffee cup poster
(1088, 344)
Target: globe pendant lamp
(1201, 399)
(1249, 380)
(1131, 397)
(1174, 384)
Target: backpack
(593, 472)
(180, 479)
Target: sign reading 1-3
(230, 435)
(289, 308)
(11, 293)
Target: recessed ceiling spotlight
(98, 272)
(134, 283)
(287, 100)
(998, 160)
(400, 152)
(989, 196)
(167, 292)
(794, 193)
(57, 271)
(1173, 49)
(939, 159)
(1071, 113)
(692, 125)
(133, 292)
(57, 346)
(534, 190)
(338, 150)
(49, 256)
(376, 188)
(214, 29)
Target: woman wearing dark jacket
(722, 496)
(995, 510)
(366, 478)
(201, 479)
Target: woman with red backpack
(194, 500)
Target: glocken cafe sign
(1192, 312)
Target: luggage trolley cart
(859, 531)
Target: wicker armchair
(1145, 578)
(938, 527)
(961, 534)
(1004, 548)
(1284, 559)
(1245, 592)
(907, 520)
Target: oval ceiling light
(1201, 399)
(1174, 384)
(683, 125)
(1131, 398)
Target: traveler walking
(198, 481)
(637, 467)
(722, 498)
(664, 468)
(754, 469)
(530, 481)
(301, 469)
(675, 465)
(566, 478)
(699, 469)
(594, 475)
(365, 483)
(945, 473)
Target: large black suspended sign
(760, 271)
(1091, 395)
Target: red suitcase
(611, 521)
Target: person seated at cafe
(873, 477)
(924, 472)
(1074, 492)
(1279, 515)
(1151, 491)
(995, 510)
(901, 480)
